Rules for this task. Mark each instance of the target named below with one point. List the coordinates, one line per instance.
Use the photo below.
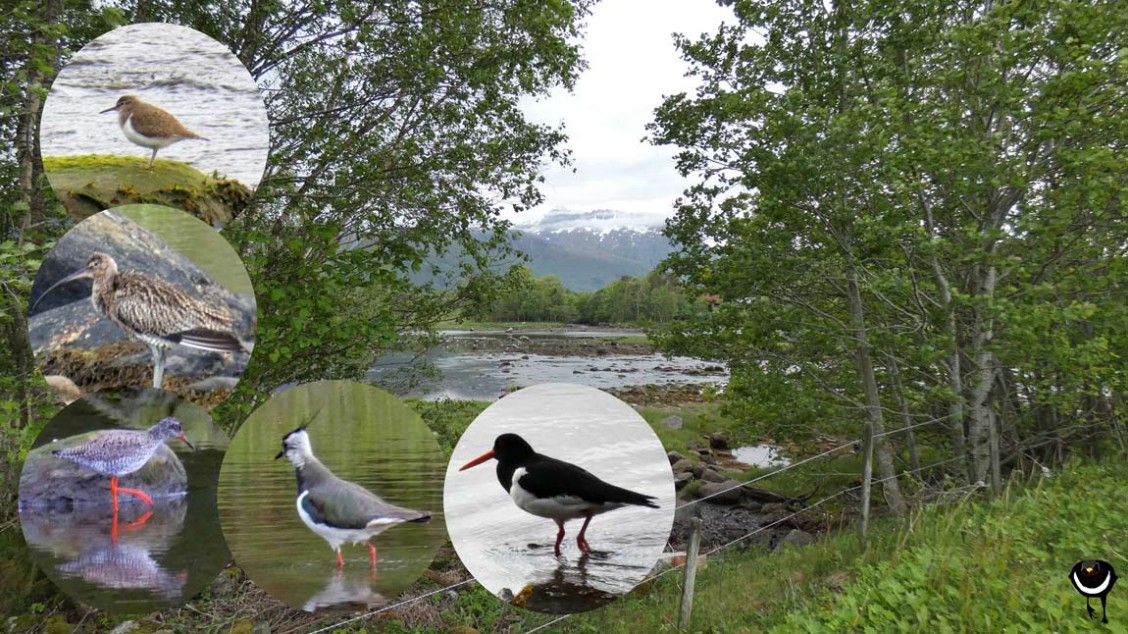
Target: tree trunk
(906, 417)
(872, 400)
(41, 71)
(952, 359)
(982, 415)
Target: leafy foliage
(936, 186)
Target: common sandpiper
(149, 126)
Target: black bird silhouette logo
(1093, 578)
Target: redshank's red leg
(138, 493)
(340, 561)
(140, 521)
(372, 556)
(559, 537)
(113, 497)
(114, 525)
(580, 541)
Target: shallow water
(486, 375)
(760, 456)
(186, 73)
(507, 549)
(361, 434)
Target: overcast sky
(632, 63)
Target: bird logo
(1093, 578)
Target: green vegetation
(903, 217)
(967, 566)
(905, 225)
(655, 298)
(88, 184)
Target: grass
(973, 566)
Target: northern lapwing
(149, 126)
(154, 311)
(339, 511)
(558, 490)
(120, 452)
(1094, 578)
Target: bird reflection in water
(566, 592)
(125, 566)
(115, 552)
(351, 590)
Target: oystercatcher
(1093, 578)
(558, 490)
(339, 511)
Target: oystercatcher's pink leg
(340, 561)
(559, 537)
(372, 556)
(580, 541)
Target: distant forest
(653, 298)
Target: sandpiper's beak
(479, 460)
(190, 446)
(79, 274)
(109, 110)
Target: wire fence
(806, 508)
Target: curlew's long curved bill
(79, 274)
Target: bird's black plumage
(547, 477)
(555, 489)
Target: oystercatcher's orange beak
(479, 460)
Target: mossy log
(90, 183)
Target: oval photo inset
(155, 113)
(143, 295)
(117, 500)
(559, 498)
(331, 496)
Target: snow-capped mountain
(589, 250)
(599, 221)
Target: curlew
(120, 452)
(149, 126)
(154, 311)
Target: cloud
(632, 64)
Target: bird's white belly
(562, 507)
(1091, 591)
(146, 141)
(337, 536)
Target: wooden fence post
(867, 478)
(690, 574)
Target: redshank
(120, 452)
(555, 489)
(339, 511)
(154, 311)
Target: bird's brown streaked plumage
(149, 126)
(154, 311)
